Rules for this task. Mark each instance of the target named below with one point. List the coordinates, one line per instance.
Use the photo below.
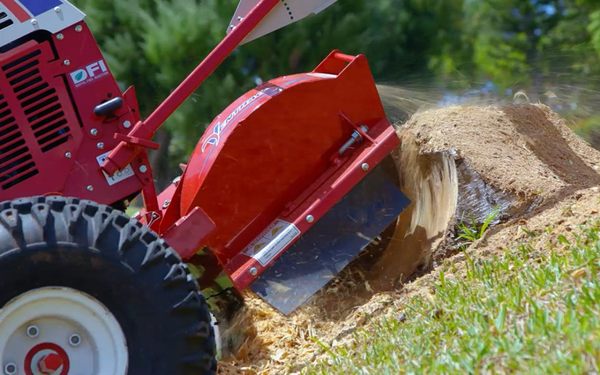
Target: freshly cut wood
(459, 164)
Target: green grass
(586, 127)
(132, 210)
(527, 310)
(475, 231)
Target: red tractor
(284, 189)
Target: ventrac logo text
(90, 73)
(214, 138)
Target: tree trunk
(159, 159)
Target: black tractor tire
(92, 248)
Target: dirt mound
(527, 150)
(456, 164)
(460, 164)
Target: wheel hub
(47, 359)
(51, 331)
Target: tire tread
(91, 225)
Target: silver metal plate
(49, 15)
(284, 13)
(324, 251)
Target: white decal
(119, 176)
(215, 137)
(272, 241)
(90, 73)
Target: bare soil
(456, 164)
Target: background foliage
(549, 48)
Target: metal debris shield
(323, 252)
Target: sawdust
(527, 150)
(454, 163)
(459, 164)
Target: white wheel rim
(43, 322)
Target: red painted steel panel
(16, 9)
(273, 153)
(51, 137)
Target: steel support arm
(126, 151)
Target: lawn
(527, 310)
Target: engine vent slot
(5, 21)
(39, 101)
(16, 162)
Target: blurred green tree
(154, 44)
(507, 37)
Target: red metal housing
(275, 154)
(51, 141)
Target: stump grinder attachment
(288, 174)
(282, 191)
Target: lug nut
(50, 363)
(10, 369)
(33, 331)
(75, 340)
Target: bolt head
(143, 169)
(253, 271)
(33, 331)
(10, 368)
(68, 155)
(78, 28)
(67, 62)
(126, 124)
(57, 9)
(94, 131)
(310, 219)
(90, 188)
(60, 36)
(100, 145)
(75, 340)
(34, 22)
(365, 167)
